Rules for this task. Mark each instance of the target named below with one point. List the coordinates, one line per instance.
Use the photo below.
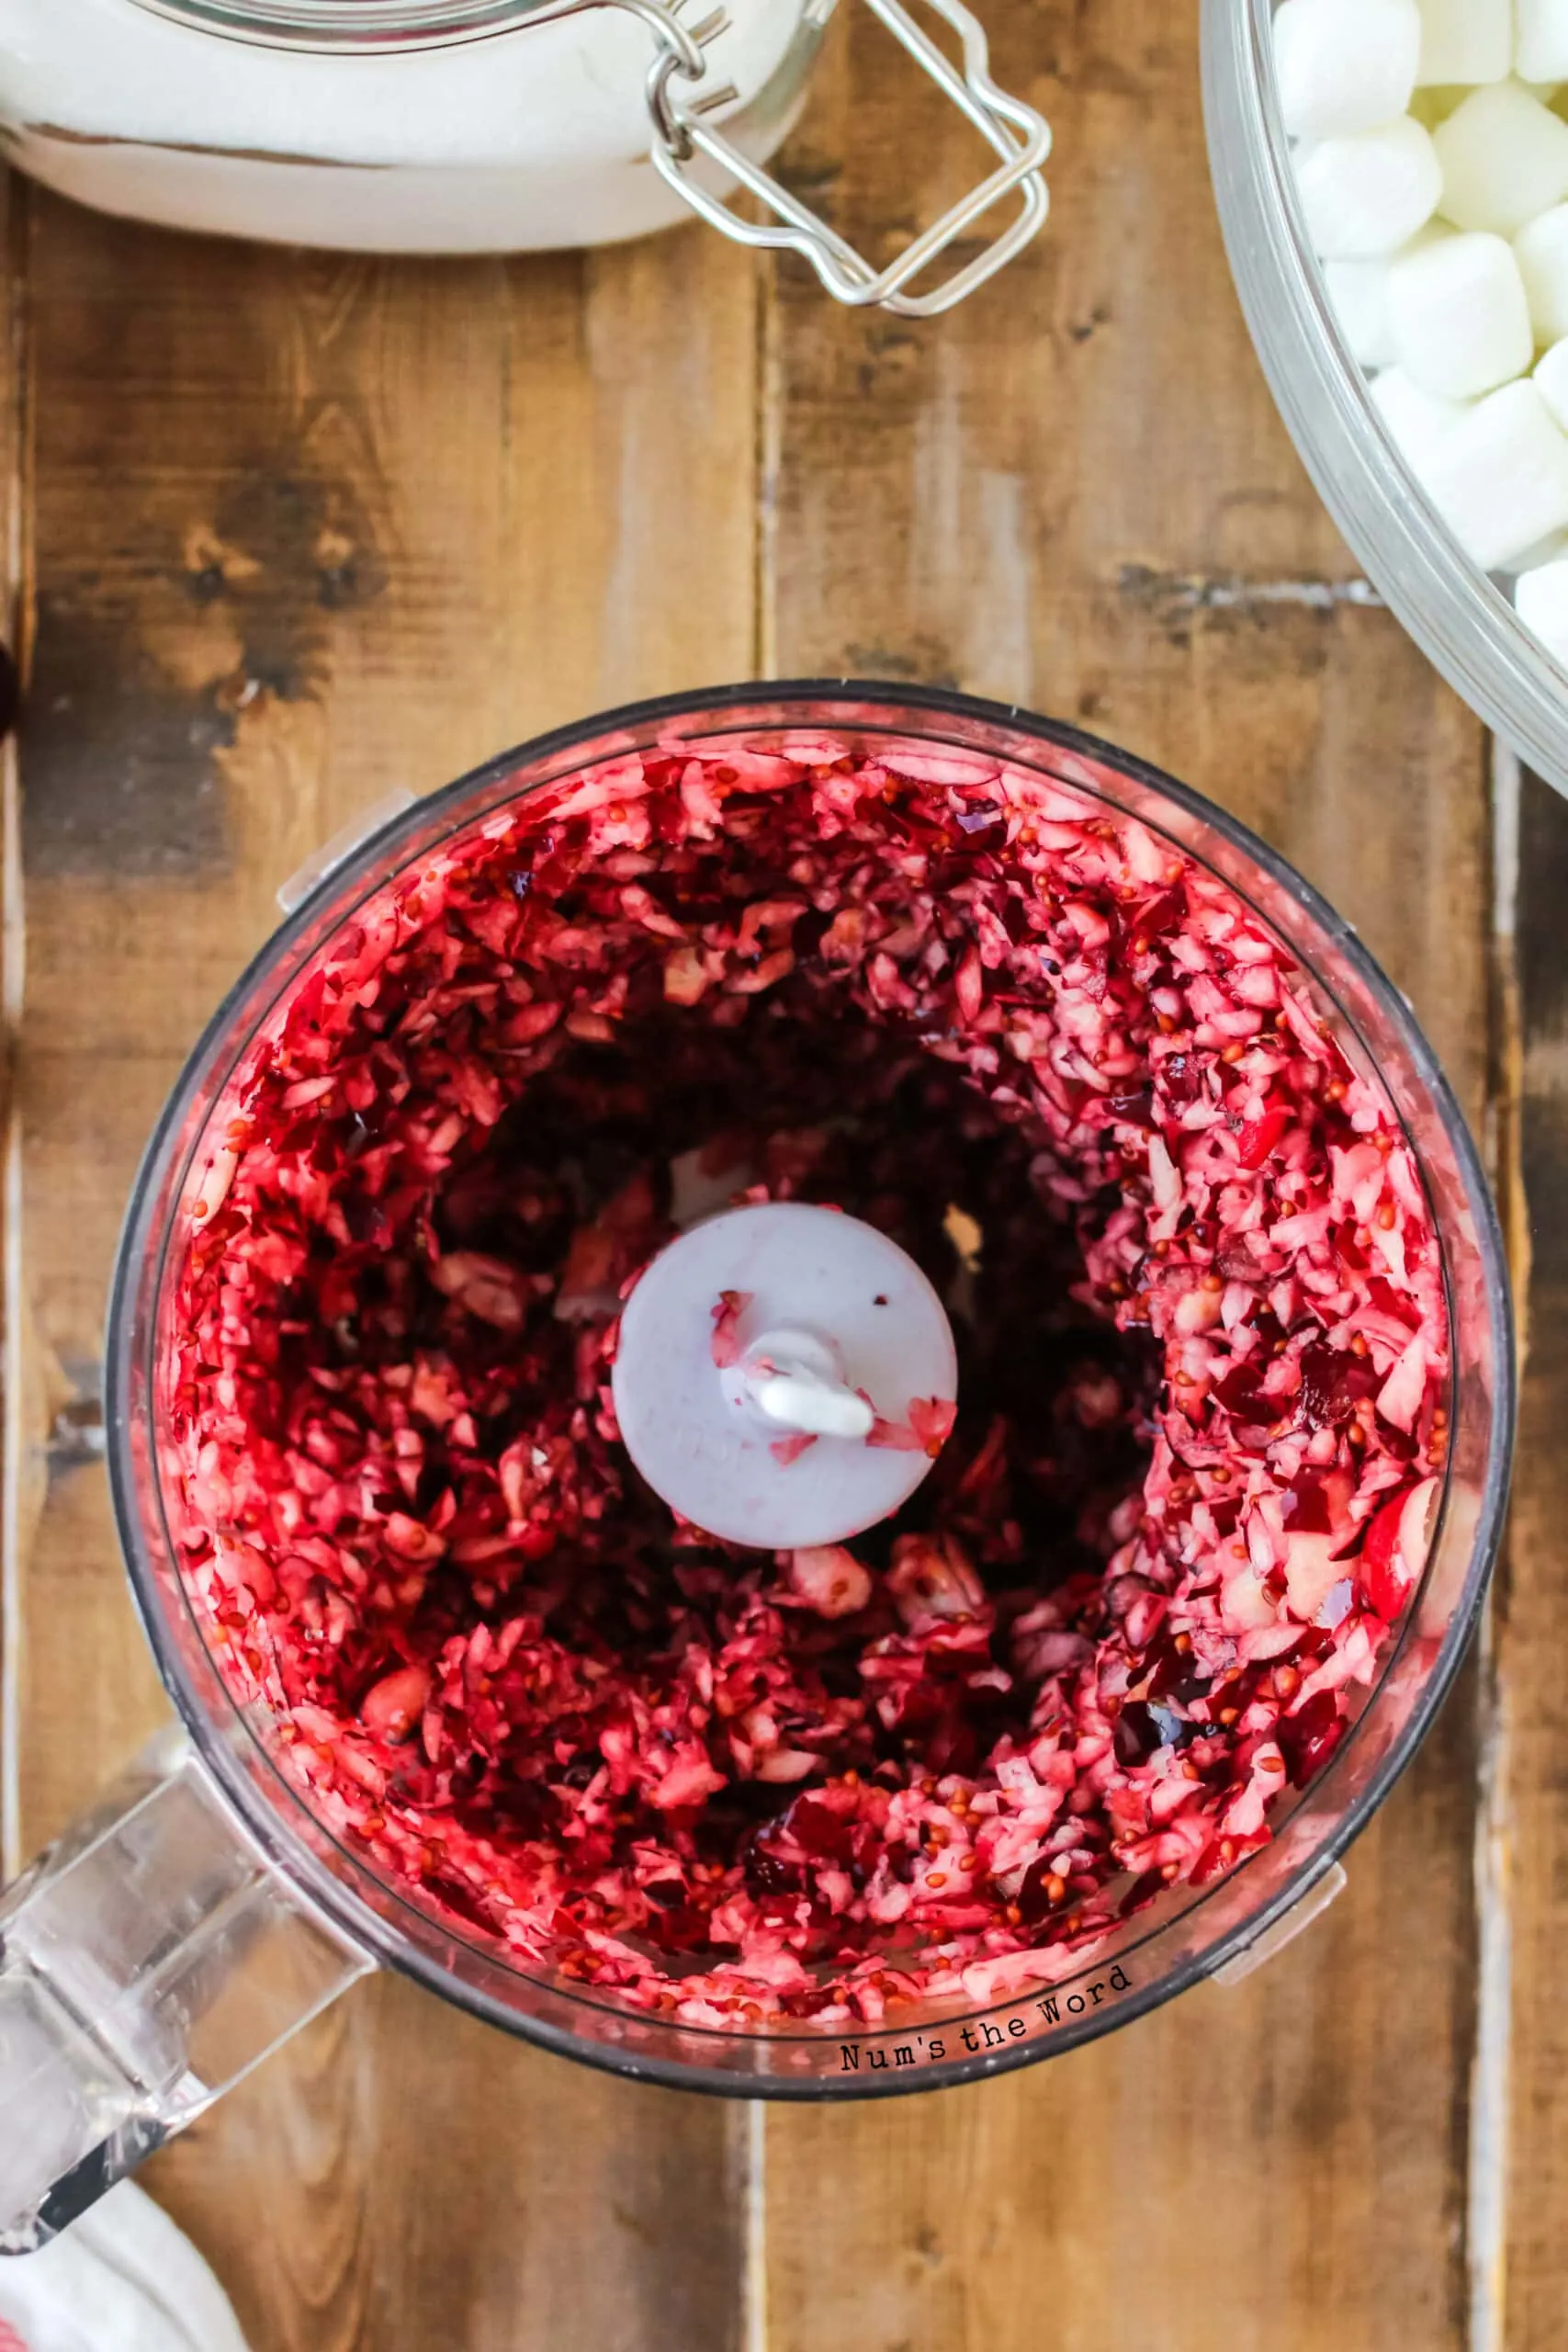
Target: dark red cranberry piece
(1132, 1109)
(1162, 913)
(1350, 1249)
(1307, 1508)
(817, 1828)
(683, 1928)
(1171, 1670)
(808, 930)
(529, 1808)
(766, 1873)
(455, 1895)
(1036, 1898)
(954, 1743)
(1309, 1737)
(1237, 1391)
(1389, 1301)
(1181, 1076)
(1144, 1887)
(1334, 1382)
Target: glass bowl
(1461, 619)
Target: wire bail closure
(1021, 137)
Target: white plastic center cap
(780, 1374)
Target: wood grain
(305, 529)
(1532, 1598)
(1074, 492)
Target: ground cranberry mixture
(1204, 1354)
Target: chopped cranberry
(1161, 914)
(819, 1829)
(1258, 1139)
(1181, 1076)
(900, 980)
(1042, 1889)
(1309, 1737)
(1238, 1392)
(1334, 1382)
(1382, 1573)
(1309, 1513)
(1134, 1109)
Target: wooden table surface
(286, 530)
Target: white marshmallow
(1344, 65)
(1542, 251)
(1357, 291)
(1540, 551)
(1465, 40)
(1500, 479)
(1505, 158)
(1540, 599)
(1368, 194)
(1541, 54)
(1418, 424)
(1459, 316)
(1552, 380)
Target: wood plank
(306, 529)
(12, 619)
(1532, 1597)
(1074, 492)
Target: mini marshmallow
(1357, 291)
(1464, 40)
(1344, 65)
(1460, 319)
(1542, 251)
(1552, 380)
(1541, 600)
(1500, 479)
(1368, 194)
(1541, 54)
(1505, 158)
(1418, 424)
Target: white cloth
(123, 2279)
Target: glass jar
(177, 1936)
(472, 126)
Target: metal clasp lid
(1021, 137)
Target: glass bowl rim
(1453, 610)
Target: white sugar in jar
(465, 126)
(535, 136)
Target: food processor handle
(148, 1960)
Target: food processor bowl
(244, 1908)
(1461, 619)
